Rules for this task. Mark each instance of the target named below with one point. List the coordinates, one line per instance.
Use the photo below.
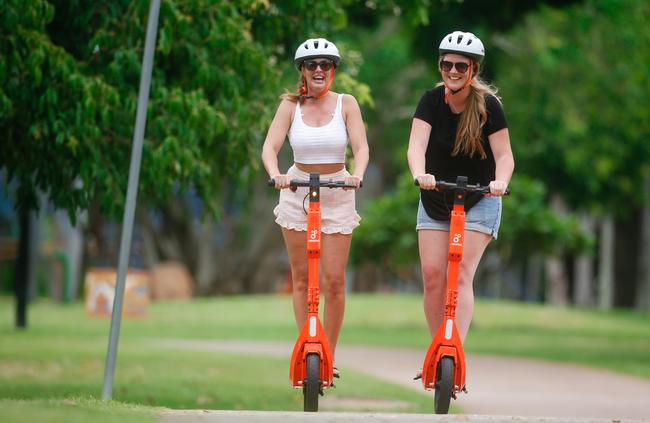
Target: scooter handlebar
(295, 183)
(444, 186)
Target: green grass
(617, 340)
(74, 410)
(56, 366)
(61, 356)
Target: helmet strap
(449, 91)
(327, 89)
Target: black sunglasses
(447, 66)
(325, 65)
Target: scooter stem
(312, 338)
(447, 340)
(313, 246)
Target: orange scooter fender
(446, 343)
(312, 339)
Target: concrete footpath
(202, 416)
(536, 391)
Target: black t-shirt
(439, 161)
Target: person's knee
(466, 276)
(334, 284)
(433, 278)
(299, 281)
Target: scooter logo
(455, 240)
(313, 235)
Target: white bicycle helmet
(464, 43)
(316, 47)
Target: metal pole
(131, 196)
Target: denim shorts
(484, 217)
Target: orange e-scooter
(444, 365)
(312, 364)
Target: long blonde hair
(300, 94)
(472, 119)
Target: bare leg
(334, 258)
(433, 261)
(473, 248)
(433, 257)
(296, 243)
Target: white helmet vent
(464, 43)
(314, 48)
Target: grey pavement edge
(207, 416)
(535, 388)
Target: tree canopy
(575, 83)
(68, 92)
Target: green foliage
(529, 225)
(69, 89)
(386, 53)
(387, 236)
(574, 83)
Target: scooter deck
(446, 343)
(312, 340)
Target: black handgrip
(472, 188)
(271, 182)
(295, 183)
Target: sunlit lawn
(74, 410)
(58, 362)
(61, 356)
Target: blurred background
(572, 76)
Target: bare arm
(358, 140)
(418, 142)
(274, 139)
(504, 160)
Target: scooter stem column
(456, 238)
(313, 243)
(456, 235)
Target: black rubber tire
(311, 389)
(444, 385)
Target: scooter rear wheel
(311, 388)
(444, 385)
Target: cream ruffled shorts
(338, 212)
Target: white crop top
(319, 144)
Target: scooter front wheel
(311, 388)
(444, 385)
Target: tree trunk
(488, 279)
(584, 269)
(241, 253)
(33, 256)
(367, 278)
(21, 274)
(534, 273)
(557, 280)
(606, 260)
(626, 244)
(643, 276)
